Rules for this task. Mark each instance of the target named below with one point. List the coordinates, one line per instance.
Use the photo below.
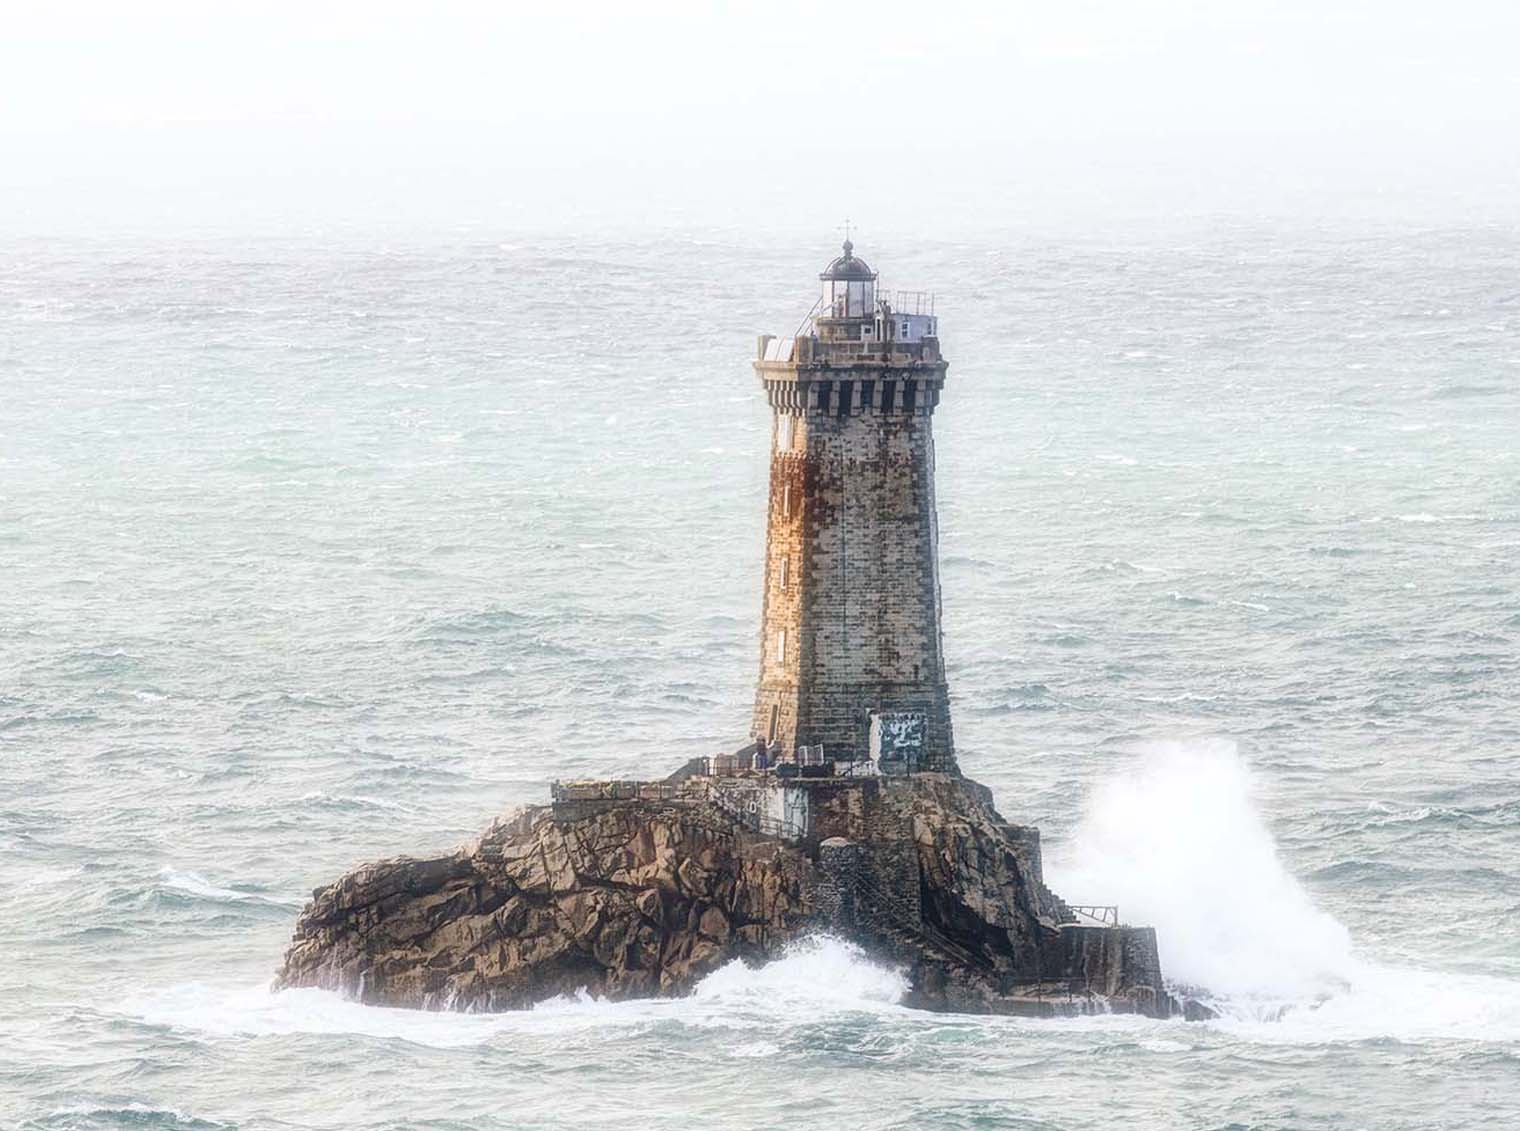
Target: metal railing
(912, 302)
(775, 826)
(908, 921)
(807, 319)
(613, 790)
(744, 810)
(1095, 914)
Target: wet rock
(642, 897)
(538, 909)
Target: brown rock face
(1013, 945)
(635, 901)
(634, 898)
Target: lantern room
(849, 287)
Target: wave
(1459, 391)
(325, 800)
(217, 1013)
(1497, 814)
(1179, 844)
(1425, 518)
(818, 974)
(79, 1117)
(816, 978)
(1382, 1002)
(1176, 840)
(176, 882)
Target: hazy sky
(149, 114)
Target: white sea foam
(755, 1050)
(817, 978)
(320, 797)
(196, 885)
(1252, 605)
(1389, 1003)
(256, 1012)
(819, 974)
(129, 1114)
(1178, 842)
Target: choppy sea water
(323, 549)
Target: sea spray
(816, 977)
(821, 973)
(1177, 841)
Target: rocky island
(846, 810)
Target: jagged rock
(538, 908)
(631, 897)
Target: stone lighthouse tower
(851, 656)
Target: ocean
(323, 548)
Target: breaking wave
(819, 974)
(816, 978)
(192, 885)
(1179, 843)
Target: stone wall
(840, 863)
(852, 571)
(1115, 963)
(839, 808)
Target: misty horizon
(779, 119)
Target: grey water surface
(320, 549)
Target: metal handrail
(914, 924)
(922, 302)
(625, 789)
(808, 317)
(774, 826)
(1098, 914)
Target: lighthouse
(845, 811)
(852, 663)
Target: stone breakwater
(642, 892)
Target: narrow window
(888, 393)
(904, 329)
(825, 395)
(867, 391)
(775, 720)
(785, 570)
(846, 397)
(910, 395)
(786, 501)
(781, 647)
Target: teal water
(323, 549)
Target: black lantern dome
(847, 268)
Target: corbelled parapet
(640, 889)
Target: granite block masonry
(851, 609)
(845, 811)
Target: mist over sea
(316, 550)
